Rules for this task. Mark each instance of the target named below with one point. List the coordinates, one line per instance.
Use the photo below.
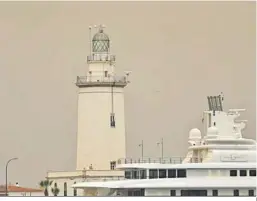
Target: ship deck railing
(165, 160)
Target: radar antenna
(215, 103)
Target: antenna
(215, 103)
(142, 149)
(161, 144)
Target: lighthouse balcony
(101, 58)
(87, 81)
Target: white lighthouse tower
(101, 116)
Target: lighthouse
(101, 115)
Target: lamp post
(142, 149)
(161, 143)
(6, 175)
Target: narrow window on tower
(74, 191)
(105, 73)
(112, 165)
(65, 189)
(112, 120)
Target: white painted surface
(97, 142)
(208, 163)
(188, 165)
(221, 192)
(193, 182)
(157, 192)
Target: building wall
(26, 194)
(97, 142)
(70, 190)
(82, 176)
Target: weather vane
(100, 27)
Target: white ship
(220, 163)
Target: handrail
(168, 160)
(100, 79)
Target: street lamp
(142, 149)
(161, 143)
(6, 175)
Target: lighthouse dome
(100, 42)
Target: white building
(101, 120)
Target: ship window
(172, 192)
(193, 192)
(243, 173)
(142, 174)
(171, 173)
(182, 173)
(233, 173)
(236, 192)
(162, 173)
(251, 193)
(135, 174)
(128, 174)
(112, 165)
(137, 192)
(214, 192)
(252, 173)
(153, 174)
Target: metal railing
(111, 80)
(99, 57)
(114, 178)
(168, 160)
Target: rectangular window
(128, 174)
(142, 192)
(153, 173)
(172, 192)
(233, 173)
(194, 193)
(236, 192)
(184, 193)
(105, 73)
(181, 173)
(251, 193)
(112, 165)
(142, 174)
(137, 192)
(162, 173)
(172, 173)
(135, 174)
(252, 173)
(243, 173)
(112, 120)
(215, 193)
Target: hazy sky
(178, 52)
